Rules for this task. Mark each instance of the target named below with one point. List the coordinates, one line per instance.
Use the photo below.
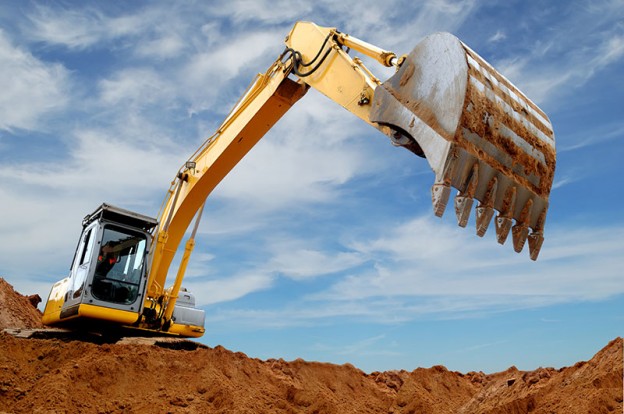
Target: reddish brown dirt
(54, 376)
(18, 311)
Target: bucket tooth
(484, 216)
(503, 225)
(503, 219)
(485, 210)
(440, 193)
(441, 190)
(536, 239)
(519, 234)
(520, 231)
(464, 199)
(463, 205)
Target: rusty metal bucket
(479, 133)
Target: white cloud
(584, 44)
(49, 199)
(417, 240)
(141, 32)
(565, 180)
(368, 347)
(276, 176)
(497, 37)
(609, 51)
(296, 314)
(80, 28)
(282, 258)
(599, 135)
(31, 88)
(242, 12)
(414, 261)
(98, 164)
(207, 75)
(136, 87)
(165, 46)
(73, 28)
(303, 263)
(430, 17)
(228, 289)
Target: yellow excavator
(445, 103)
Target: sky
(321, 244)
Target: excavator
(445, 103)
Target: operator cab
(109, 265)
(108, 269)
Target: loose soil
(18, 311)
(56, 376)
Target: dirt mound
(17, 311)
(586, 387)
(50, 375)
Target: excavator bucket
(479, 133)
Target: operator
(106, 260)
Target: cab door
(81, 266)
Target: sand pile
(51, 375)
(18, 311)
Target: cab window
(119, 266)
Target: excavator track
(100, 338)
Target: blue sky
(321, 244)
